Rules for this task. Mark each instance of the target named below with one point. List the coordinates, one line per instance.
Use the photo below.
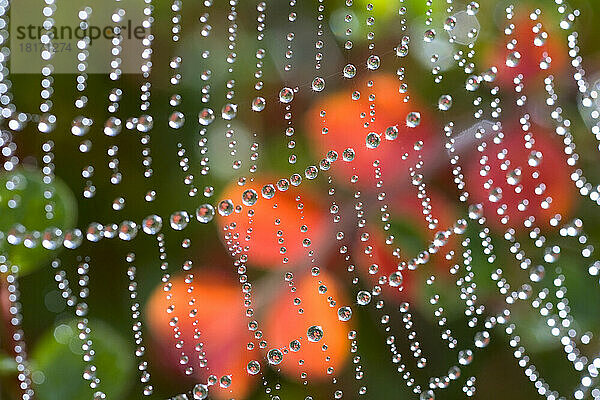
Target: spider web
(488, 274)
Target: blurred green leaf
(22, 202)
(58, 356)
(8, 366)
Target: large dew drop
(286, 95)
(205, 213)
(373, 62)
(413, 119)
(315, 333)
(373, 140)
(344, 314)
(274, 356)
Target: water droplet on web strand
(249, 197)
(176, 120)
(391, 133)
(152, 224)
(315, 333)
(205, 213)
(258, 104)
(348, 154)
(372, 140)
(450, 23)
(429, 35)
(395, 279)
(318, 84)
(513, 59)
(286, 95)
(344, 314)
(253, 367)
(229, 111)
(200, 392)
(268, 191)
(413, 119)
(206, 116)
(274, 356)
(363, 297)
(226, 207)
(373, 62)
(179, 220)
(445, 102)
(349, 71)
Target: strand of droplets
(462, 28)
(79, 302)
(249, 198)
(539, 383)
(485, 237)
(395, 279)
(468, 293)
(24, 375)
(143, 124)
(345, 312)
(179, 219)
(523, 293)
(575, 228)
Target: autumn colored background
(222, 322)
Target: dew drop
(258, 104)
(395, 279)
(450, 23)
(318, 84)
(249, 197)
(274, 356)
(225, 207)
(344, 313)
(286, 95)
(152, 224)
(253, 367)
(363, 297)
(373, 62)
(315, 333)
(179, 220)
(413, 119)
(429, 35)
(372, 140)
(391, 133)
(229, 111)
(513, 59)
(349, 71)
(348, 154)
(445, 102)
(205, 213)
(206, 116)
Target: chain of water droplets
(179, 219)
(574, 229)
(364, 297)
(81, 312)
(114, 124)
(585, 188)
(395, 279)
(286, 95)
(259, 102)
(554, 222)
(137, 325)
(468, 294)
(372, 141)
(17, 337)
